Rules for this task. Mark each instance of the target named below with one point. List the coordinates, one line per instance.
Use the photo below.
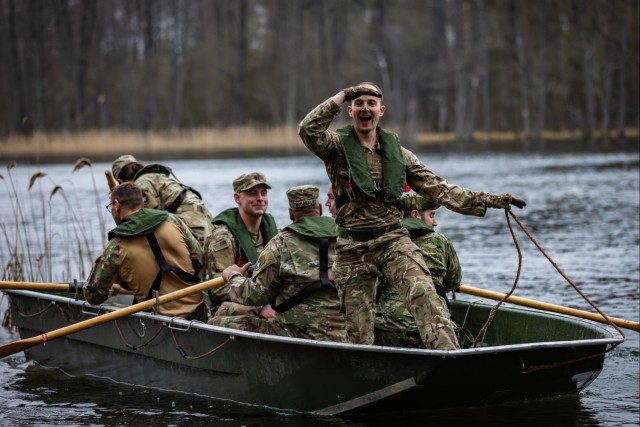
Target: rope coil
(492, 314)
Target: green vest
(416, 227)
(137, 223)
(393, 168)
(153, 169)
(231, 218)
(317, 227)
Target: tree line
(455, 66)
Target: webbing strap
(165, 267)
(173, 207)
(307, 291)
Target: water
(583, 209)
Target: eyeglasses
(110, 206)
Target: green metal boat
(524, 354)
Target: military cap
(120, 163)
(415, 201)
(303, 196)
(247, 181)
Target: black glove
(352, 92)
(503, 201)
(519, 203)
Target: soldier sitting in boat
(294, 269)
(238, 237)
(142, 239)
(163, 191)
(394, 324)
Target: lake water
(582, 208)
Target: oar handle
(50, 287)
(17, 346)
(623, 323)
(111, 181)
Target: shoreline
(47, 148)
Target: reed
(28, 238)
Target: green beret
(303, 196)
(414, 201)
(249, 180)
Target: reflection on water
(583, 208)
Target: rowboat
(523, 354)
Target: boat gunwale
(614, 336)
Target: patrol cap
(415, 201)
(247, 181)
(120, 163)
(303, 196)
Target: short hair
(129, 171)
(128, 194)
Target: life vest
(231, 218)
(322, 229)
(393, 168)
(416, 227)
(142, 223)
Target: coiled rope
(492, 314)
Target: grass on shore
(234, 141)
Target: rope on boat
(535, 368)
(515, 283)
(135, 347)
(186, 356)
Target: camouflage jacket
(288, 263)
(161, 190)
(364, 212)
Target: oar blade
(18, 346)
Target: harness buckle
(350, 193)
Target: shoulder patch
(220, 245)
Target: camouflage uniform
(231, 243)
(131, 260)
(382, 248)
(289, 263)
(161, 190)
(394, 324)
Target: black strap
(307, 291)
(173, 207)
(165, 267)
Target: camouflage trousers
(330, 327)
(357, 267)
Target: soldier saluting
(368, 169)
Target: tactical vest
(231, 218)
(393, 167)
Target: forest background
(214, 77)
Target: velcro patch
(222, 244)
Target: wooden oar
(623, 323)
(50, 287)
(17, 346)
(111, 181)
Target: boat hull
(324, 378)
